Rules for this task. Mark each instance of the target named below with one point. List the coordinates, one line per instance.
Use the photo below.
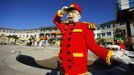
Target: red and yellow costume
(76, 40)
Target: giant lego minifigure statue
(77, 38)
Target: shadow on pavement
(99, 67)
(28, 60)
(50, 63)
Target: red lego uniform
(76, 40)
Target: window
(98, 28)
(42, 30)
(108, 33)
(103, 34)
(27, 32)
(108, 26)
(103, 27)
(98, 34)
(10, 31)
(36, 31)
(3, 30)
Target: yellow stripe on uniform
(91, 26)
(79, 74)
(83, 73)
(77, 30)
(78, 55)
(109, 57)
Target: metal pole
(132, 29)
(129, 33)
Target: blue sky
(29, 14)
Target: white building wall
(108, 29)
(96, 32)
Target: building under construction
(125, 14)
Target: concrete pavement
(12, 66)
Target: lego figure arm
(99, 51)
(57, 18)
(105, 54)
